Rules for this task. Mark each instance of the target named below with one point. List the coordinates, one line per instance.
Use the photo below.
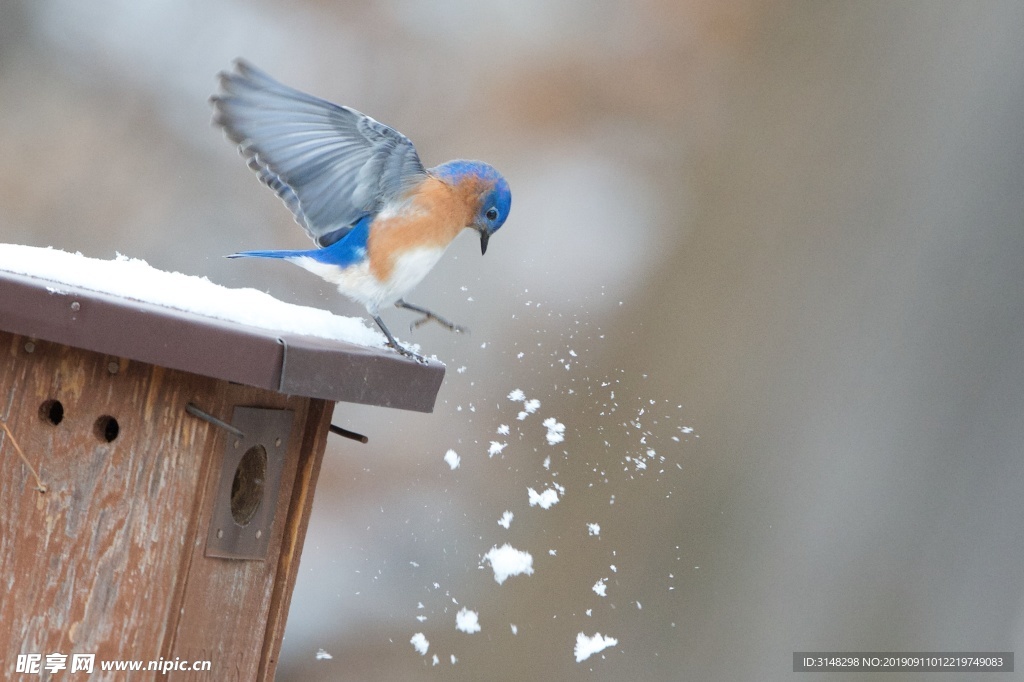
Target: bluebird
(380, 220)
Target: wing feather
(330, 164)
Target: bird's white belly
(360, 284)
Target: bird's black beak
(484, 236)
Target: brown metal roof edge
(361, 375)
(145, 332)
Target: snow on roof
(136, 280)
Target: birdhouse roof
(324, 359)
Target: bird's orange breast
(432, 216)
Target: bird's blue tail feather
(267, 254)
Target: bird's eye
(492, 213)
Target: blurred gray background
(765, 262)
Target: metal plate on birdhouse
(250, 479)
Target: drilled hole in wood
(107, 428)
(247, 486)
(51, 412)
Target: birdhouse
(157, 471)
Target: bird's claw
(450, 326)
(402, 350)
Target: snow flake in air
(588, 646)
(508, 561)
(420, 644)
(546, 499)
(556, 430)
(467, 621)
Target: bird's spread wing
(331, 165)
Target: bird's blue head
(489, 190)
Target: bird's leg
(394, 344)
(428, 316)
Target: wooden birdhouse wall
(112, 558)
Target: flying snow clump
(467, 621)
(587, 646)
(508, 561)
(420, 644)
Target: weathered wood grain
(110, 559)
